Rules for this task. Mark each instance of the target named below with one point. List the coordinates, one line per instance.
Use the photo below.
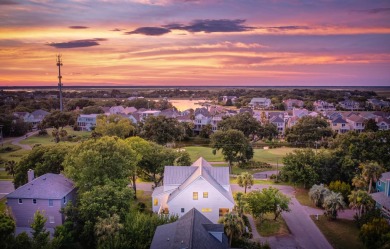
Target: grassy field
(49, 139)
(270, 227)
(2, 205)
(341, 234)
(4, 176)
(14, 155)
(272, 156)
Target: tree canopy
(243, 122)
(114, 125)
(308, 130)
(161, 130)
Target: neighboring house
(48, 193)
(323, 106)
(383, 124)
(382, 196)
(299, 112)
(260, 103)
(292, 103)
(21, 115)
(36, 117)
(170, 113)
(199, 186)
(215, 120)
(350, 105)
(86, 122)
(233, 99)
(117, 109)
(200, 121)
(145, 114)
(377, 104)
(356, 122)
(193, 230)
(278, 122)
(339, 125)
(185, 119)
(129, 110)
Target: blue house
(382, 196)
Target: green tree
(276, 201)
(360, 201)
(10, 167)
(114, 125)
(161, 130)
(298, 167)
(233, 226)
(7, 230)
(308, 131)
(239, 198)
(371, 171)
(72, 104)
(333, 203)
(234, 146)
(243, 122)
(42, 159)
(94, 162)
(370, 125)
(245, 180)
(39, 234)
(318, 193)
(58, 119)
(107, 231)
(23, 241)
(206, 131)
(359, 182)
(376, 233)
(267, 131)
(93, 110)
(340, 187)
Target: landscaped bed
(270, 227)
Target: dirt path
(16, 141)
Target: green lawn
(302, 196)
(14, 155)
(2, 205)
(4, 175)
(341, 234)
(269, 156)
(49, 139)
(270, 227)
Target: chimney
(30, 175)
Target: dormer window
(20, 201)
(64, 199)
(34, 201)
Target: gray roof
(382, 199)
(339, 120)
(40, 113)
(47, 186)
(276, 119)
(176, 175)
(191, 231)
(385, 176)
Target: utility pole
(59, 64)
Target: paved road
(6, 187)
(16, 141)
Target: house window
(205, 194)
(51, 203)
(206, 210)
(34, 201)
(64, 199)
(379, 183)
(20, 201)
(155, 202)
(195, 195)
(51, 219)
(223, 211)
(182, 210)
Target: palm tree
(372, 171)
(240, 203)
(333, 203)
(361, 201)
(10, 168)
(245, 180)
(233, 224)
(359, 182)
(318, 193)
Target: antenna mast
(59, 64)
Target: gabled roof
(201, 162)
(47, 186)
(356, 118)
(203, 171)
(276, 119)
(193, 231)
(339, 120)
(385, 176)
(39, 113)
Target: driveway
(302, 227)
(16, 141)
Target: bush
(245, 243)
(255, 165)
(6, 149)
(42, 132)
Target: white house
(201, 120)
(292, 103)
(86, 121)
(199, 186)
(262, 103)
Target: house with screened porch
(200, 186)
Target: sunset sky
(195, 42)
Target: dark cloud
(116, 29)
(374, 11)
(78, 27)
(78, 43)
(153, 31)
(285, 28)
(210, 26)
(8, 2)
